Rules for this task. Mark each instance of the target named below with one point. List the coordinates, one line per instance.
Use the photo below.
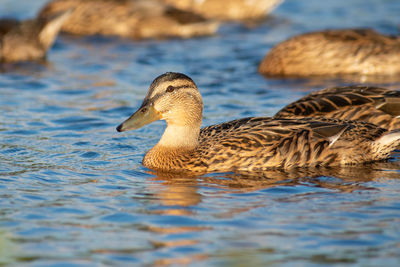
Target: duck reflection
(181, 189)
(180, 194)
(177, 194)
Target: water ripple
(73, 191)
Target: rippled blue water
(73, 191)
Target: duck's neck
(173, 149)
(180, 137)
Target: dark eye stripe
(184, 86)
(174, 88)
(158, 95)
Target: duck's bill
(143, 116)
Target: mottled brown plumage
(29, 39)
(248, 144)
(135, 19)
(376, 105)
(228, 10)
(334, 52)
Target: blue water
(73, 191)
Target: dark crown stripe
(167, 77)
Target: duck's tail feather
(390, 139)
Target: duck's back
(91, 17)
(262, 143)
(228, 10)
(129, 18)
(375, 105)
(333, 52)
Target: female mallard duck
(334, 52)
(248, 144)
(135, 19)
(29, 39)
(228, 10)
(362, 103)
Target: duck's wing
(259, 143)
(269, 129)
(371, 104)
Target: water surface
(73, 191)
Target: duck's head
(172, 97)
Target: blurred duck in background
(334, 52)
(135, 19)
(228, 10)
(30, 39)
(375, 105)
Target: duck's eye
(170, 89)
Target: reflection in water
(180, 261)
(178, 195)
(73, 191)
(8, 251)
(182, 187)
(26, 68)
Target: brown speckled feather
(376, 105)
(333, 52)
(263, 143)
